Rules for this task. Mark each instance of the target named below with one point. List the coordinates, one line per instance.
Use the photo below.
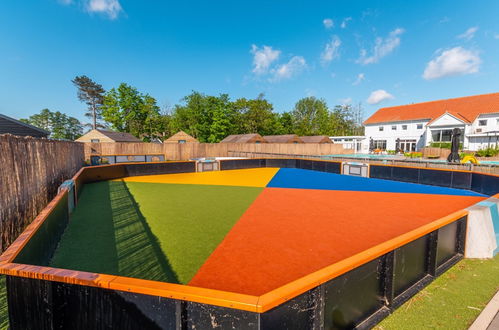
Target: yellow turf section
(254, 177)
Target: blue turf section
(308, 179)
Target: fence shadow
(108, 234)
(138, 249)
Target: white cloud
(331, 50)
(469, 34)
(263, 58)
(328, 23)
(379, 96)
(451, 62)
(360, 77)
(344, 22)
(285, 71)
(111, 8)
(346, 101)
(382, 47)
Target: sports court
(244, 231)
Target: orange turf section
(289, 233)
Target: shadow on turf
(138, 250)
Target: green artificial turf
(4, 315)
(452, 301)
(155, 231)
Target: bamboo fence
(31, 170)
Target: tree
(311, 117)
(255, 116)
(285, 123)
(92, 94)
(128, 110)
(207, 118)
(60, 125)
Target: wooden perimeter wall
(195, 150)
(31, 170)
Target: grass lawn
(155, 231)
(452, 301)
(4, 317)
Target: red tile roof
(465, 108)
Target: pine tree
(92, 94)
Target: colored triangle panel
(289, 233)
(308, 179)
(254, 177)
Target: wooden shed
(102, 135)
(316, 139)
(288, 138)
(244, 138)
(181, 137)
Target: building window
(482, 122)
(381, 128)
(497, 121)
(394, 128)
(407, 145)
(379, 144)
(182, 141)
(404, 127)
(419, 126)
(95, 140)
(443, 135)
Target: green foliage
(413, 154)
(488, 152)
(60, 125)
(444, 145)
(452, 301)
(92, 94)
(391, 152)
(128, 110)
(212, 118)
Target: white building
(354, 142)
(418, 125)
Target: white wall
(390, 135)
(492, 123)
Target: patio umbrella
(371, 144)
(397, 145)
(454, 149)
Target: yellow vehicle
(469, 159)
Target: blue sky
(380, 53)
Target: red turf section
(289, 233)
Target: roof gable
(448, 119)
(465, 108)
(180, 136)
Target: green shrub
(413, 154)
(391, 152)
(488, 152)
(444, 145)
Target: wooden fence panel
(31, 170)
(195, 150)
